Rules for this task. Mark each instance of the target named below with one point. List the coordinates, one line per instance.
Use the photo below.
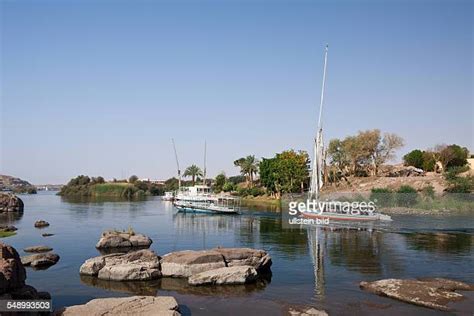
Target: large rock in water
(226, 275)
(258, 259)
(10, 203)
(188, 262)
(185, 263)
(114, 239)
(12, 272)
(13, 276)
(41, 260)
(41, 223)
(38, 249)
(137, 265)
(134, 305)
(433, 293)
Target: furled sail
(318, 146)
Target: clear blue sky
(100, 87)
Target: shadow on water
(443, 243)
(108, 251)
(8, 218)
(177, 285)
(359, 251)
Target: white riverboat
(199, 199)
(169, 196)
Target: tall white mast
(318, 150)
(177, 164)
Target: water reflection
(9, 218)
(249, 230)
(357, 250)
(316, 245)
(98, 208)
(443, 243)
(290, 241)
(180, 286)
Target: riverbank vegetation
(97, 187)
(363, 156)
(4, 234)
(408, 197)
(354, 164)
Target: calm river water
(320, 268)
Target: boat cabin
(196, 190)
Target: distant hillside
(17, 185)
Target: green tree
(285, 173)
(219, 182)
(337, 155)
(171, 184)
(429, 161)
(228, 187)
(193, 171)
(269, 175)
(453, 156)
(248, 167)
(384, 149)
(364, 153)
(414, 158)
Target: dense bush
(228, 187)
(406, 196)
(414, 158)
(453, 156)
(171, 184)
(383, 197)
(428, 192)
(420, 159)
(429, 161)
(237, 179)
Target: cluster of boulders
(10, 203)
(42, 259)
(403, 171)
(136, 265)
(13, 276)
(216, 266)
(434, 293)
(117, 239)
(41, 223)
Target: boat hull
(194, 209)
(347, 217)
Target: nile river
(320, 268)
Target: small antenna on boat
(204, 173)
(177, 163)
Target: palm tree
(193, 171)
(248, 167)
